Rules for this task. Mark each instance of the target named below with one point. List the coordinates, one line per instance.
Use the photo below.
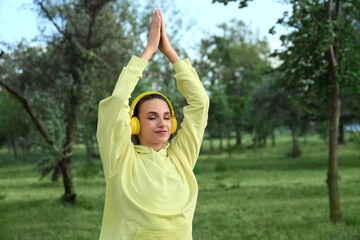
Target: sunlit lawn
(254, 194)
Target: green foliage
(231, 65)
(356, 137)
(322, 128)
(242, 3)
(75, 63)
(305, 58)
(15, 127)
(56, 125)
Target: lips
(162, 132)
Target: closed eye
(154, 115)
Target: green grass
(254, 194)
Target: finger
(155, 22)
(154, 33)
(162, 21)
(163, 31)
(158, 20)
(153, 17)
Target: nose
(161, 122)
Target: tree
(87, 35)
(321, 60)
(330, 31)
(219, 121)
(14, 125)
(237, 60)
(61, 82)
(271, 107)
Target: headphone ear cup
(135, 125)
(173, 124)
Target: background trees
(318, 62)
(85, 44)
(15, 127)
(236, 63)
(59, 77)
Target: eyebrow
(155, 113)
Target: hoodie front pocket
(183, 234)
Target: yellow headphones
(134, 121)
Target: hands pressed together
(158, 39)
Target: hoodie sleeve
(187, 143)
(113, 129)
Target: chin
(163, 139)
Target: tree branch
(311, 15)
(333, 58)
(51, 19)
(25, 103)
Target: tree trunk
(218, 125)
(65, 163)
(69, 195)
(341, 138)
(9, 148)
(273, 143)
(332, 176)
(256, 137)
(305, 138)
(295, 143)
(211, 142)
(229, 139)
(65, 167)
(24, 153)
(351, 136)
(56, 173)
(13, 146)
(89, 150)
(221, 144)
(238, 137)
(264, 141)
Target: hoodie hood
(141, 149)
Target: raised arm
(188, 140)
(113, 130)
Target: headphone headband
(138, 98)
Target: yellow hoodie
(150, 195)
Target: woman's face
(155, 123)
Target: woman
(151, 191)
